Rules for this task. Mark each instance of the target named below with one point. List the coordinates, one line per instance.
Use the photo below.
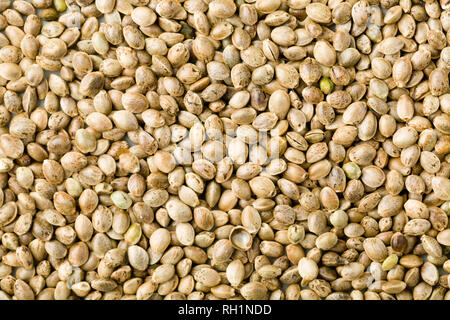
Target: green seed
(352, 170)
(326, 85)
(296, 233)
(389, 262)
(133, 234)
(49, 14)
(121, 199)
(186, 30)
(60, 5)
(339, 219)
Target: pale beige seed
(417, 227)
(185, 233)
(375, 249)
(159, 240)
(207, 276)
(178, 211)
(138, 257)
(10, 71)
(83, 227)
(443, 237)
(326, 241)
(143, 16)
(99, 122)
(391, 45)
(104, 6)
(319, 12)
(163, 273)
(125, 120)
(352, 271)
(23, 291)
(308, 269)
(235, 272)
(253, 291)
